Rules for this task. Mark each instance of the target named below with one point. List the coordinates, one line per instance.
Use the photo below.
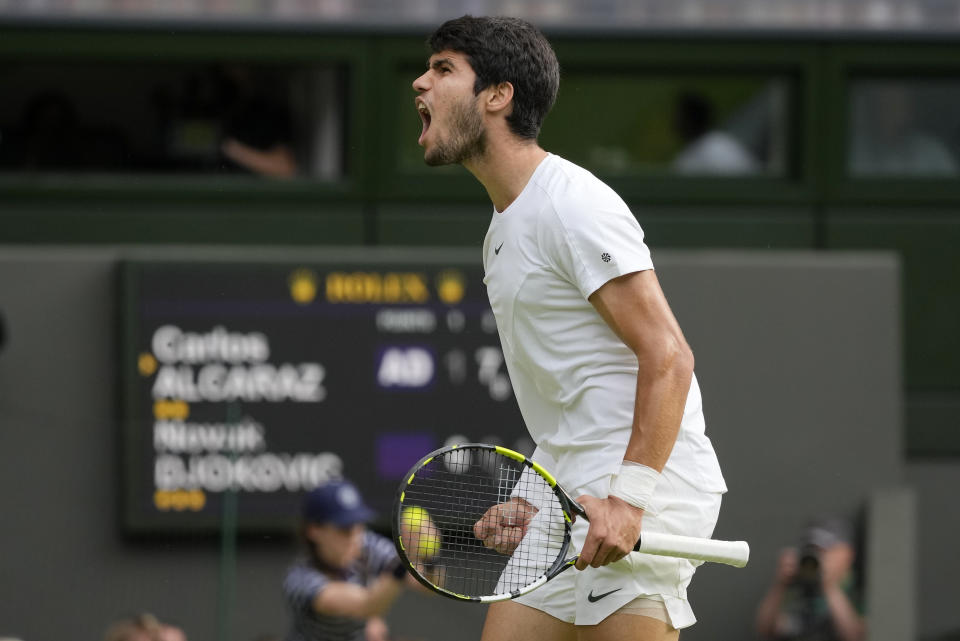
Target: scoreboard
(261, 379)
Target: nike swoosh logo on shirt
(593, 599)
(497, 250)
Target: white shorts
(588, 597)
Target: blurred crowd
(223, 118)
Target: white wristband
(635, 483)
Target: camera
(808, 567)
(819, 535)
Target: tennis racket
(456, 493)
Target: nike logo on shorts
(593, 599)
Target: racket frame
(568, 506)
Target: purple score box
(398, 451)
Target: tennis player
(600, 368)
(349, 577)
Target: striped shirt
(303, 582)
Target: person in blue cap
(349, 577)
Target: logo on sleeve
(605, 257)
(497, 250)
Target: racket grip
(735, 553)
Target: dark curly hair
(501, 49)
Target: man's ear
(499, 97)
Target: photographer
(812, 597)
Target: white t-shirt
(565, 235)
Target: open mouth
(425, 118)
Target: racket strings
(478, 523)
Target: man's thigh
(627, 627)
(511, 621)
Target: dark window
(908, 128)
(162, 118)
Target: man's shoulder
(302, 576)
(378, 550)
(302, 567)
(560, 174)
(372, 539)
(574, 191)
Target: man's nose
(420, 84)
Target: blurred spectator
(226, 118)
(814, 593)
(888, 141)
(707, 150)
(257, 131)
(350, 576)
(143, 627)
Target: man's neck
(505, 169)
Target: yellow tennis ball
(424, 537)
(414, 517)
(429, 544)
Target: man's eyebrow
(439, 62)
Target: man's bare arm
(636, 310)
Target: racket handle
(735, 553)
